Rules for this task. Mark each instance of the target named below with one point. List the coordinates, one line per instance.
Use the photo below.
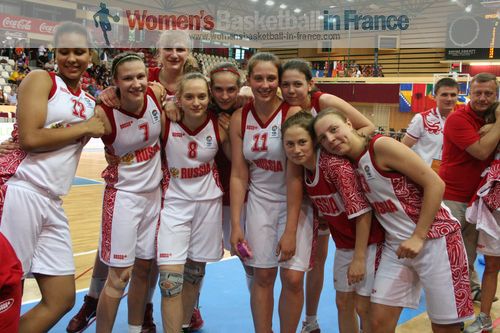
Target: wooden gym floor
(83, 207)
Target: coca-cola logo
(44, 27)
(21, 24)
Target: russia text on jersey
(269, 165)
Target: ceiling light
(297, 10)
(468, 9)
(283, 6)
(269, 2)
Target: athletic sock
(134, 328)
(311, 319)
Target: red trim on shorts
(378, 255)
(314, 243)
(3, 192)
(165, 181)
(108, 205)
(157, 230)
(460, 274)
(9, 164)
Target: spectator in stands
(49, 66)
(465, 155)
(425, 132)
(12, 98)
(50, 53)
(14, 76)
(42, 56)
(3, 100)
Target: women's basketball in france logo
(101, 19)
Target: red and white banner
(26, 24)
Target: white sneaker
(310, 327)
(482, 323)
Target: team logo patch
(275, 132)
(89, 103)
(127, 158)
(177, 134)
(209, 142)
(155, 114)
(6, 305)
(368, 172)
(126, 124)
(59, 124)
(174, 172)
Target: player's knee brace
(194, 272)
(170, 283)
(116, 283)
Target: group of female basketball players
(163, 206)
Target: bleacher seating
(207, 61)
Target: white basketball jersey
(54, 171)
(135, 139)
(427, 128)
(397, 200)
(191, 173)
(263, 150)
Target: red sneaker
(196, 320)
(82, 318)
(148, 325)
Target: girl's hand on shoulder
(172, 111)
(224, 120)
(109, 97)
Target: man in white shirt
(425, 131)
(12, 97)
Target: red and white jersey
(191, 173)
(336, 192)
(397, 201)
(154, 76)
(54, 171)
(264, 152)
(135, 139)
(315, 109)
(427, 128)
